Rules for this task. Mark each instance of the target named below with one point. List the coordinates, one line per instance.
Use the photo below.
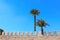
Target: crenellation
(26, 33)
(39, 34)
(35, 34)
(11, 34)
(29, 36)
(3, 33)
(14, 33)
(59, 34)
(18, 34)
(54, 33)
(22, 34)
(6, 33)
(45, 34)
(49, 33)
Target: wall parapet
(29, 36)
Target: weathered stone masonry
(29, 36)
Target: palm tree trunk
(42, 31)
(34, 22)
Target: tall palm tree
(41, 23)
(34, 12)
(1, 30)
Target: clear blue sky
(15, 15)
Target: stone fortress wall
(29, 36)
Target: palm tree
(41, 23)
(34, 12)
(1, 30)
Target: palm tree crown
(34, 12)
(41, 23)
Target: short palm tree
(1, 30)
(34, 12)
(41, 23)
